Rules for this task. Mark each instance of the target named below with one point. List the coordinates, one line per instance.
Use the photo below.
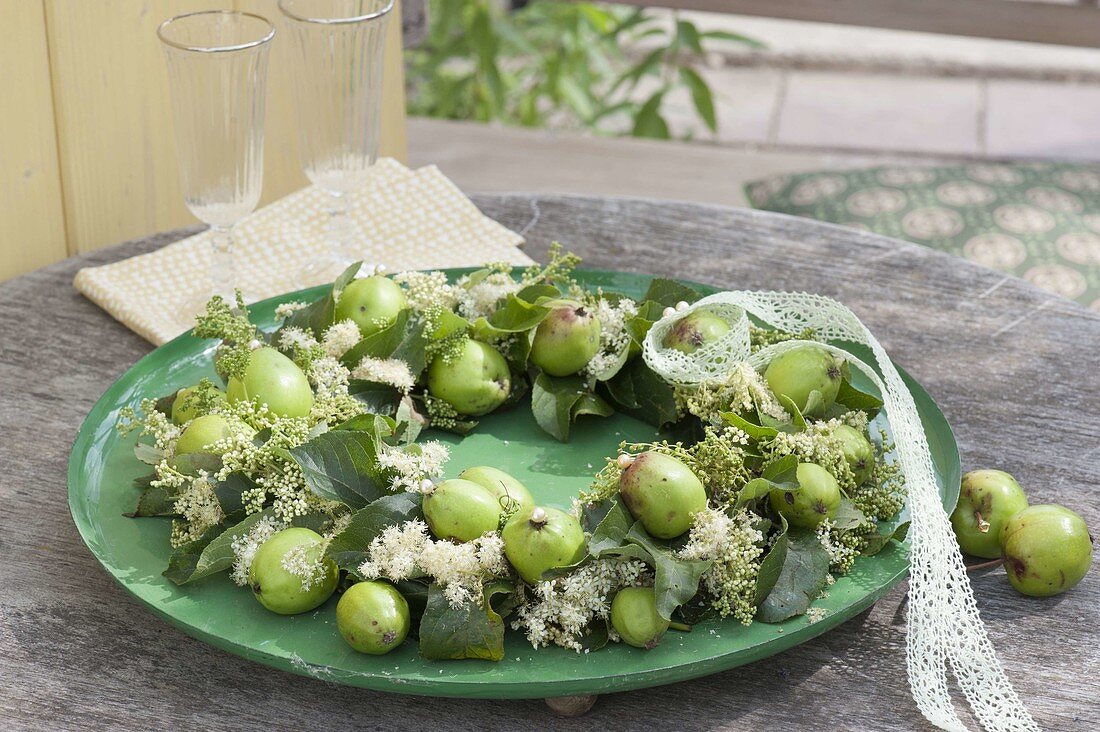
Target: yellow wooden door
(87, 155)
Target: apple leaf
(474, 630)
(668, 292)
(349, 548)
(342, 465)
(802, 578)
(641, 393)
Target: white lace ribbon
(945, 631)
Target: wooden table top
(1013, 368)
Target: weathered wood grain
(1012, 367)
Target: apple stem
(984, 565)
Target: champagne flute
(338, 90)
(217, 72)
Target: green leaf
(231, 490)
(385, 342)
(675, 581)
(205, 557)
(803, 577)
(756, 432)
(474, 630)
(878, 541)
(537, 294)
(848, 516)
(552, 403)
(342, 465)
(611, 532)
(513, 316)
(155, 501)
(719, 35)
(349, 548)
(783, 472)
(771, 566)
(798, 422)
(854, 399)
(688, 36)
(148, 454)
(378, 398)
(754, 490)
(701, 97)
(591, 404)
(667, 293)
(648, 122)
(321, 313)
(641, 393)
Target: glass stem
(339, 229)
(223, 272)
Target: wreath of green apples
(311, 472)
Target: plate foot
(571, 706)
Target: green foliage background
(562, 64)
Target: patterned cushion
(1037, 221)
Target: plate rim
(458, 687)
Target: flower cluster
(424, 290)
(763, 337)
(450, 346)
(565, 606)
(842, 546)
(306, 561)
(742, 390)
(412, 467)
(237, 333)
(198, 508)
(615, 335)
(481, 292)
(246, 545)
(390, 371)
(719, 460)
(407, 551)
(884, 494)
(735, 546)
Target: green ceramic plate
(135, 552)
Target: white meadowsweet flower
(245, 547)
(394, 552)
(564, 606)
(409, 467)
(392, 371)
(480, 299)
(405, 551)
(199, 509)
(615, 336)
(425, 289)
(328, 374)
(292, 338)
(735, 546)
(340, 338)
(284, 311)
(461, 569)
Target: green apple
(987, 500)
(695, 330)
(475, 383)
(273, 379)
(802, 370)
(858, 451)
(372, 303)
(566, 340)
(817, 497)
(1047, 550)
(461, 510)
(201, 433)
(373, 617)
(281, 591)
(539, 539)
(504, 487)
(635, 618)
(182, 415)
(663, 493)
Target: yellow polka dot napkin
(406, 219)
